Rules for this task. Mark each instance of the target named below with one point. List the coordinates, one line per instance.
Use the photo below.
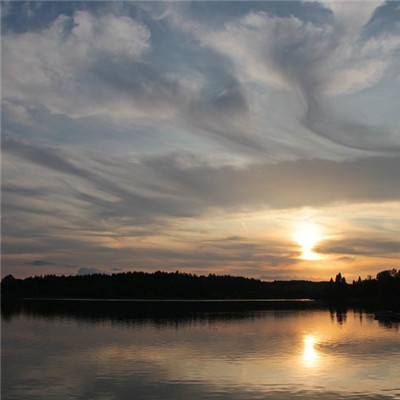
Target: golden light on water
(310, 355)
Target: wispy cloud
(40, 263)
(317, 61)
(369, 246)
(167, 186)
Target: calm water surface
(272, 352)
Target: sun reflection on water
(310, 355)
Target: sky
(259, 139)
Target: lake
(170, 350)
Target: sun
(308, 235)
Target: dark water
(201, 350)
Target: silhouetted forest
(386, 285)
(177, 285)
(157, 285)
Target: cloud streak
(317, 61)
(85, 66)
(176, 188)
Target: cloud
(47, 68)
(234, 238)
(185, 187)
(88, 65)
(282, 185)
(40, 263)
(112, 67)
(365, 246)
(44, 263)
(47, 157)
(317, 61)
(89, 271)
(288, 52)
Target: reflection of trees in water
(389, 324)
(338, 314)
(341, 317)
(156, 312)
(173, 313)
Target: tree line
(179, 285)
(385, 285)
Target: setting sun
(307, 235)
